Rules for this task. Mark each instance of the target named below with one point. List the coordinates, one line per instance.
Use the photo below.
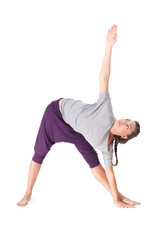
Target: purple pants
(54, 129)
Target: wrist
(109, 45)
(115, 200)
(116, 197)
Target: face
(124, 127)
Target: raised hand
(111, 37)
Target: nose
(124, 122)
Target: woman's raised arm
(104, 75)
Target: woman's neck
(110, 138)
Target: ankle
(28, 193)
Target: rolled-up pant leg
(89, 154)
(43, 142)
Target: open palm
(111, 37)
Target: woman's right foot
(24, 201)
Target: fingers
(124, 205)
(129, 201)
(128, 206)
(131, 206)
(113, 28)
(137, 203)
(132, 202)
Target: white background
(53, 49)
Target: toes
(19, 204)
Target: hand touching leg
(100, 175)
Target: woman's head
(123, 130)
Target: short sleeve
(108, 157)
(103, 96)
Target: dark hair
(118, 139)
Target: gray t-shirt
(93, 121)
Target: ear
(124, 137)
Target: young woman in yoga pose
(87, 126)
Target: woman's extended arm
(100, 174)
(112, 181)
(105, 69)
(117, 199)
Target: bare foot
(24, 201)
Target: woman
(87, 126)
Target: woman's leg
(42, 147)
(33, 173)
